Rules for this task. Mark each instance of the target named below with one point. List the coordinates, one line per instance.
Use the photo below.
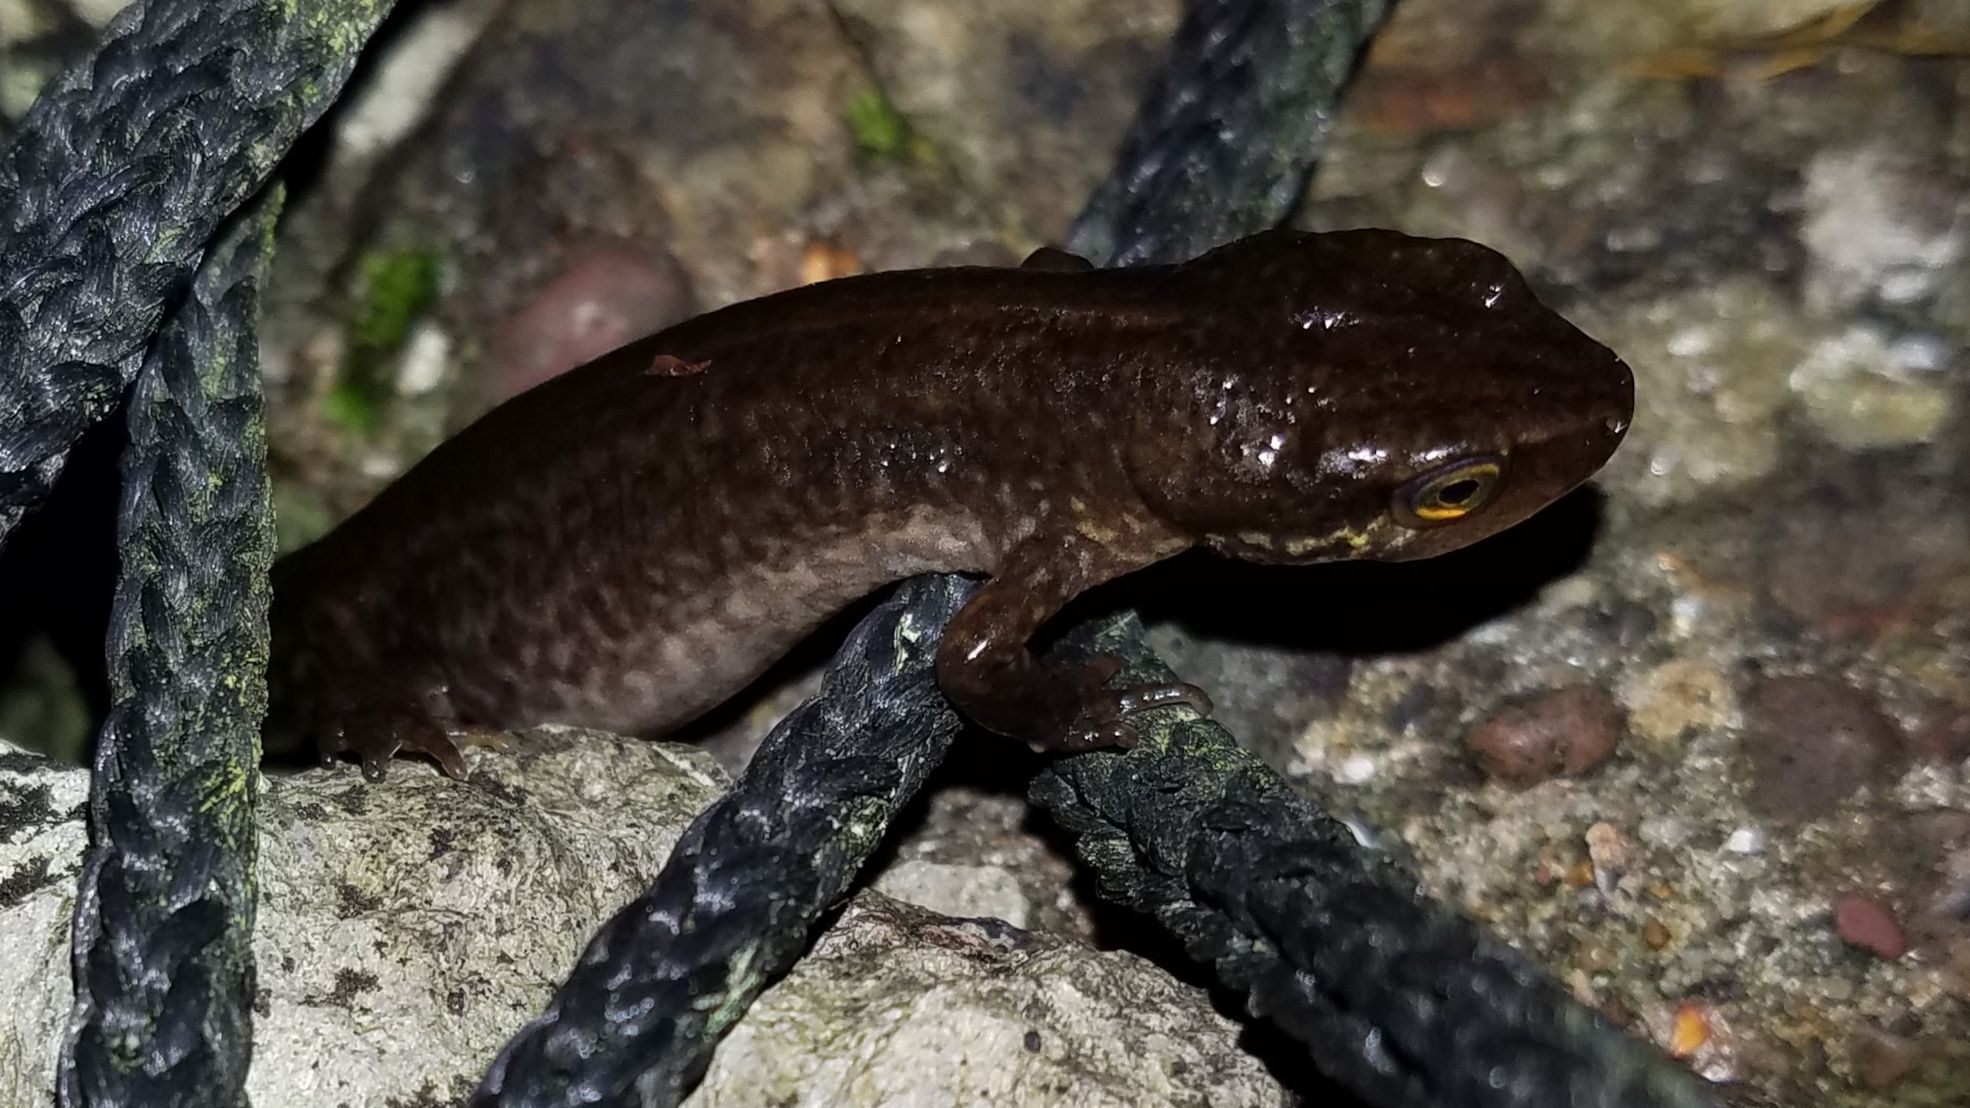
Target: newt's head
(1367, 394)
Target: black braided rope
(1224, 142)
(164, 915)
(1395, 995)
(115, 181)
(635, 1023)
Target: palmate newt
(630, 543)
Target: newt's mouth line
(1342, 542)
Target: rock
(408, 928)
(1563, 732)
(1713, 364)
(41, 843)
(896, 1005)
(605, 295)
(1812, 743)
(1610, 851)
(966, 892)
(1680, 697)
(1862, 390)
(1265, 695)
(1018, 96)
(1866, 924)
(1879, 225)
(1860, 547)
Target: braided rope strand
(1392, 993)
(1228, 134)
(115, 181)
(163, 967)
(636, 1022)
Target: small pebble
(1690, 1030)
(1358, 769)
(1676, 699)
(1561, 732)
(1697, 1032)
(1608, 849)
(1655, 934)
(1746, 840)
(603, 296)
(1865, 924)
(1812, 742)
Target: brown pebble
(604, 295)
(1866, 924)
(1812, 742)
(1655, 934)
(1561, 732)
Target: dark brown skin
(628, 544)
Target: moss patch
(880, 131)
(393, 289)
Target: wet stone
(1812, 742)
(1861, 544)
(603, 297)
(1864, 923)
(1563, 732)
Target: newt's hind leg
(376, 735)
(377, 721)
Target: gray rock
(407, 928)
(899, 1006)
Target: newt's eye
(1453, 492)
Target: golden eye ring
(1450, 492)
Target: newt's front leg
(987, 670)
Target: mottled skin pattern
(628, 544)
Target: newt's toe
(377, 735)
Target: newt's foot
(375, 738)
(1100, 717)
